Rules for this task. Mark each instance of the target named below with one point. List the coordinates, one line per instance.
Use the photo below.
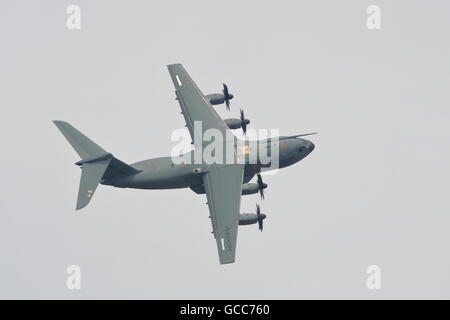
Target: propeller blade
(227, 96)
(261, 186)
(225, 90)
(260, 218)
(243, 122)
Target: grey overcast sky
(374, 191)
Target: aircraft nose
(306, 146)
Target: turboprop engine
(252, 218)
(234, 123)
(251, 188)
(219, 98)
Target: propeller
(244, 122)
(228, 96)
(261, 186)
(260, 216)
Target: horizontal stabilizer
(84, 146)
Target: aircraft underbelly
(159, 173)
(168, 179)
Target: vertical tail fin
(95, 161)
(97, 164)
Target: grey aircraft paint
(163, 173)
(223, 184)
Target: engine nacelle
(250, 188)
(216, 98)
(249, 218)
(233, 123)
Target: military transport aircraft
(223, 183)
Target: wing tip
(172, 65)
(59, 122)
(226, 258)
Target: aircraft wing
(194, 105)
(223, 185)
(223, 182)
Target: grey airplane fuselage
(163, 173)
